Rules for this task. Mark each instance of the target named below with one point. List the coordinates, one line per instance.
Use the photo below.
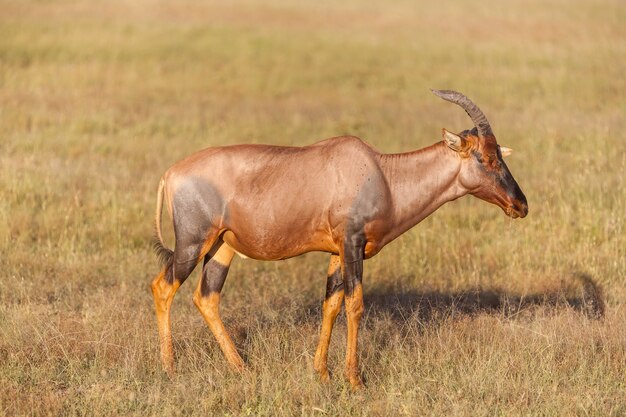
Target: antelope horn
(472, 110)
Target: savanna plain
(470, 313)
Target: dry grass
(468, 314)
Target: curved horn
(472, 110)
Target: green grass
(470, 313)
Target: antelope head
(483, 170)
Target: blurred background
(468, 313)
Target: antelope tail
(164, 254)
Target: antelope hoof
(324, 377)
(167, 362)
(237, 364)
(323, 374)
(355, 381)
(321, 369)
(169, 369)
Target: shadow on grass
(586, 297)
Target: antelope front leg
(330, 310)
(352, 269)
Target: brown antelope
(339, 196)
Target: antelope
(340, 196)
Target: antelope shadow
(427, 305)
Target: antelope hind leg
(163, 290)
(207, 298)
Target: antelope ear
(454, 142)
(505, 151)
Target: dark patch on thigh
(183, 267)
(334, 283)
(197, 207)
(213, 277)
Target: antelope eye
(492, 162)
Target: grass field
(470, 313)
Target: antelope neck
(420, 182)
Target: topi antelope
(339, 196)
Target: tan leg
(354, 311)
(163, 293)
(330, 310)
(207, 299)
(352, 272)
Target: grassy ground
(470, 313)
